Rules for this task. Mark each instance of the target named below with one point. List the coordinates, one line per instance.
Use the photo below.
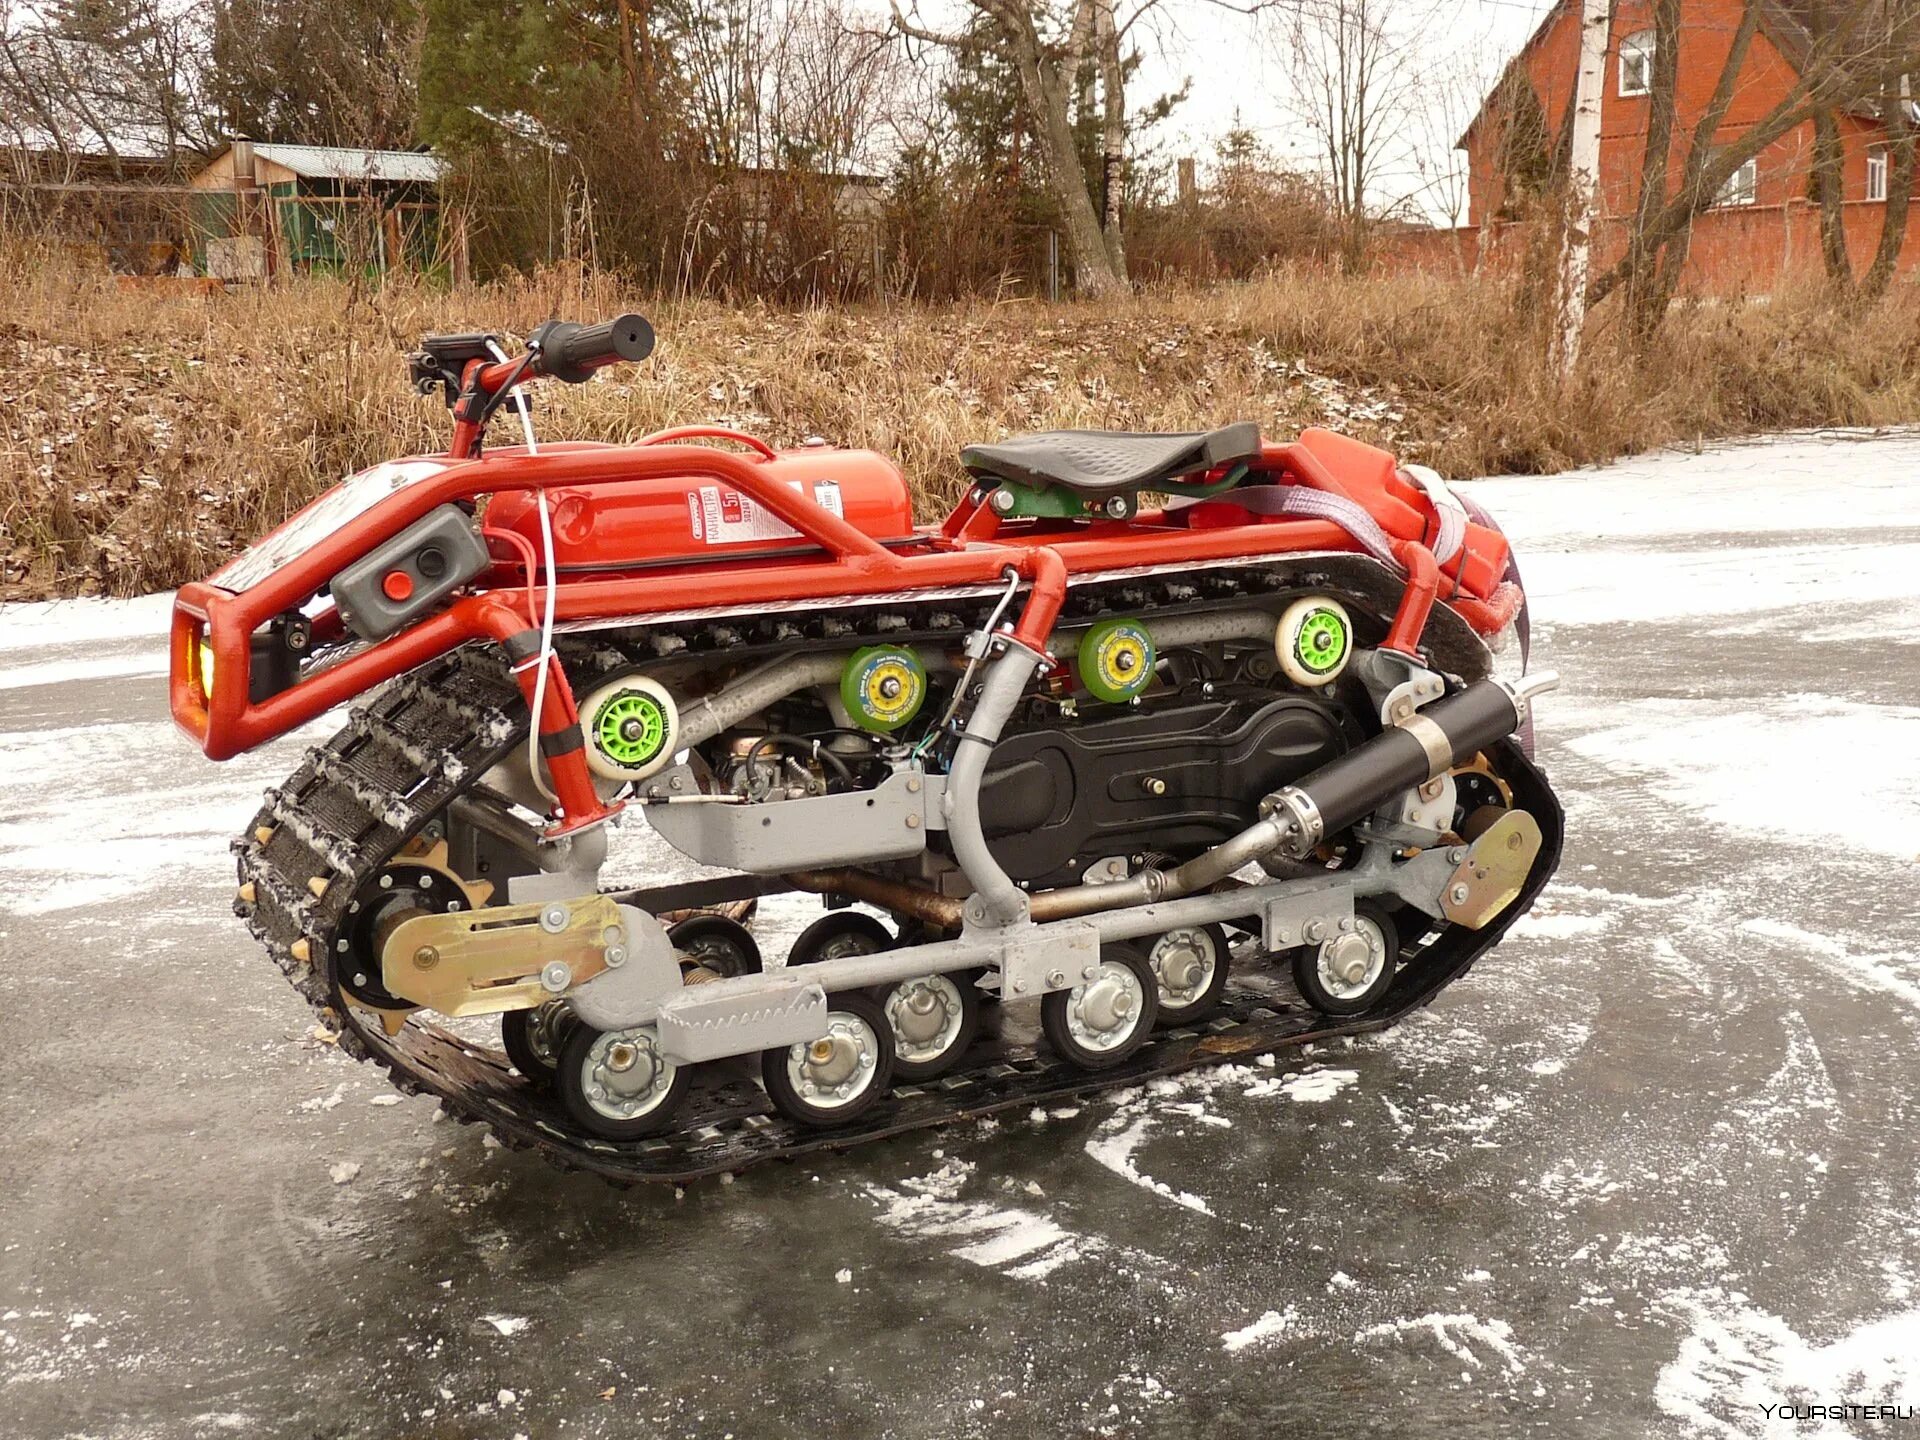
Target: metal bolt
(1003, 501)
(1089, 972)
(426, 882)
(1155, 785)
(553, 919)
(913, 788)
(1513, 841)
(913, 822)
(386, 882)
(426, 957)
(616, 956)
(1019, 987)
(1430, 790)
(1457, 854)
(1347, 927)
(676, 782)
(1458, 894)
(1117, 507)
(1316, 930)
(555, 976)
(1056, 978)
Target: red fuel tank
(645, 522)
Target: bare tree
(1352, 66)
(1853, 55)
(1049, 47)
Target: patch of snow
(1458, 1335)
(1736, 1357)
(1891, 973)
(1316, 1087)
(1269, 1325)
(1706, 756)
(1115, 1150)
(508, 1325)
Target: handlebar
(572, 352)
(563, 350)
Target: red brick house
(1765, 225)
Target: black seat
(1094, 463)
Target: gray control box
(403, 579)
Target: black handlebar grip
(572, 352)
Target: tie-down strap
(1303, 503)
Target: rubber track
(407, 751)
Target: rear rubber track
(407, 751)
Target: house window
(1740, 186)
(1636, 63)
(1876, 175)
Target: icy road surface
(1653, 1166)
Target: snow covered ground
(1650, 1170)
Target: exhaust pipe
(1423, 747)
(1294, 820)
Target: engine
(1172, 779)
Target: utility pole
(1583, 173)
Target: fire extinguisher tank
(651, 522)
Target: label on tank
(722, 516)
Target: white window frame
(1640, 46)
(1742, 187)
(1878, 167)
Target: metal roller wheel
(616, 1084)
(723, 946)
(1350, 971)
(1108, 1015)
(839, 1077)
(838, 934)
(1190, 965)
(533, 1039)
(934, 1019)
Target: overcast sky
(1236, 66)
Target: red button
(398, 585)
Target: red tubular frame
(968, 550)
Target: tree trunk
(1570, 307)
(1113, 133)
(1900, 168)
(1828, 181)
(1094, 273)
(1705, 170)
(1643, 282)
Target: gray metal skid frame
(1023, 959)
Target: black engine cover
(1056, 800)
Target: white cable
(553, 582)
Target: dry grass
(146, 435)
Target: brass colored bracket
(503, 957)
(1494, 872)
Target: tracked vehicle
(1159, 750)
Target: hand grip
(571, 352)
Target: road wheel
(533, 1038)
(616, 1084)
(723, 946)
(934, 1019)
(838, 934)
(1108, 1015)
(1350, 971)
(837, 1078)
(1190, 967)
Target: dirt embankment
(147, 435)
